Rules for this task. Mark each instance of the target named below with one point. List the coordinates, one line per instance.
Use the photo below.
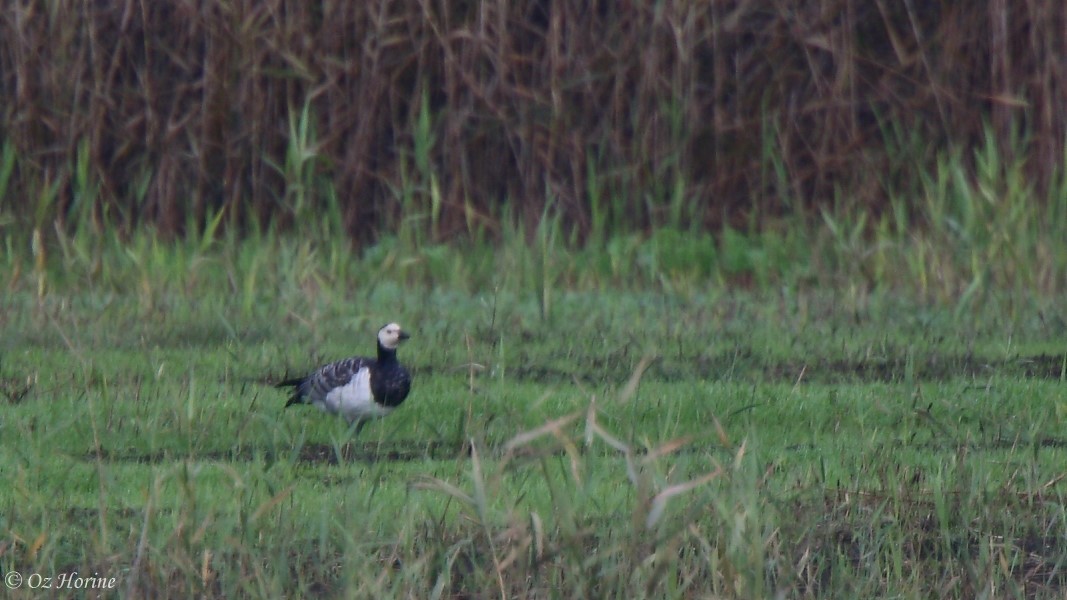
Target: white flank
(354, 400)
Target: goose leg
(354, 427)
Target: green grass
(570, 434)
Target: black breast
(390, 384)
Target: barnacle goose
(358, 388)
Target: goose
(359, 389)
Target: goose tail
(298, 392)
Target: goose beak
(404, 335)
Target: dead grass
(736, 110)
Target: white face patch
(390, 335)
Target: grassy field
(753, 301)
(580, 425)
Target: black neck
(386, 355)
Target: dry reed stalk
(184, 106)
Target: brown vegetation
(737, 108)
